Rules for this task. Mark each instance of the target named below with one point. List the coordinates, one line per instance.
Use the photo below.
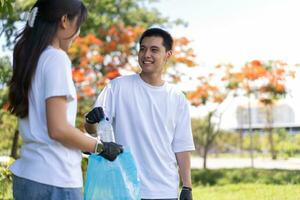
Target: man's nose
(147, 53)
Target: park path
(216, 163)
(265, 163)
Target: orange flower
(78, 75)
(280, 88)
(112, 74)
(110, 46)
(83, 62)
(218, 98)
(88, 91)
(98, 58)
(6, 106)
(256, 63)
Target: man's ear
(169, 54)
(64, 21)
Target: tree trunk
(205, 157)
(241, 142)
(270, 131)
(272, 148)
(250, 131)
(14, 147)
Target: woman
(43, 97)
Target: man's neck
(152, 79)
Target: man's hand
(111, 150)
(95, 115)
(186, 193)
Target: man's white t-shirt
(154, 122)
(42, 159)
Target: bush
(246, 175)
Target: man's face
(152, 55)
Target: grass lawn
(233, 192)
(247, 192)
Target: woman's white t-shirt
(43, 159)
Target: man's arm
(92, 119)
(184, 164)
(91, 128)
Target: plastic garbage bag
(115, 180)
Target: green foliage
(286, 144)
(8, 122)
(101, 15)
(9, 21)
(5, 71)
(6, 7)
(8, 125)
(238, 176)
(206, 134)
(6, 180)
(5, 75)
(104, 13)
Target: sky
(237, 31)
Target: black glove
(95, 115)
(186, 193)
(111, 150)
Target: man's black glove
(186, 193)
(95, 115)
(111, 150)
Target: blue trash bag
(117, 180)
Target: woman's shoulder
(51, 52)
(54, 59)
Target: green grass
(247, 192)
(222, 184)
(232, 192)
(219, 177)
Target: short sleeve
(58, 76)
(106, 101)
(183, 138)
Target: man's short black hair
(167, 38)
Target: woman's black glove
(95, 115)
(186, 193)
(111, 150)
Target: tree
(108, 45)
(246, 80)
(6, 6)
(272, 89)
(205, 131)
(7, 121)
(266, 82)
(101, 14)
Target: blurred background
(237, 63)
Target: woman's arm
(59, 128)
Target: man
(152, 118)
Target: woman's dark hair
(167, 38)
(32, 41)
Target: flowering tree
(98, 59)
(267, 82)
(208, 93)
(272, 89)
(107, 47)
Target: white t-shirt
(154, 123)
(42, 159)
